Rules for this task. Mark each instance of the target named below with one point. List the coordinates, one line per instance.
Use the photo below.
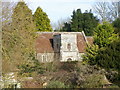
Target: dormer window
(69, 46)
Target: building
(61, 46)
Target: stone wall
(64, 49)
(69, 49)
(45, 57)
(49, 57)
(80, 56)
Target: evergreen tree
(105, 50)
(109, 56)
(116, 24)
(82, 22)
(91, 53)
(21, 43)
(104, 34)
(76, 21)
(41, 20)
(89, 23)
(66, 27)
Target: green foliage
(81, 22)
(41, 20)
(109, 57)
(76, 23)
(56, 84)
(29, 68)
(104, 34)
(19, 38)
(113, 86)
(90, 22)
(105, 52)
(93, 81)
(91, 53)
(66, 27)
(116, 24)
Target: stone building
(61, 46)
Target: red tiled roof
(81, 43)
(44, 44)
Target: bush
(93, 81)
(28, 69)
(69, 66)
(56, 84)
(51, 66)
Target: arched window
(68, 46)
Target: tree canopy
(81, 22)
(103, 34)
(116, 24)
(41, 20)
(19, 43)
(106, 49)
(109, 56)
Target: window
(44, 58)
(69, 46)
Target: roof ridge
(59, 32)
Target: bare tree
(107, 11)
(60, 23)
(7, 8)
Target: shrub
(28, 69)
(69, 66)
(93, 81)
(56, 84)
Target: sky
(59, 9)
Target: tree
(104, 34)
(91, 53)
(7, 9)
(105, 51)
(116, 24)
(66, 27)
(81, 22)
(76, 21)
(41, 20)
(89, 23)
(107, 11)
(109, 56)
(19, 46)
